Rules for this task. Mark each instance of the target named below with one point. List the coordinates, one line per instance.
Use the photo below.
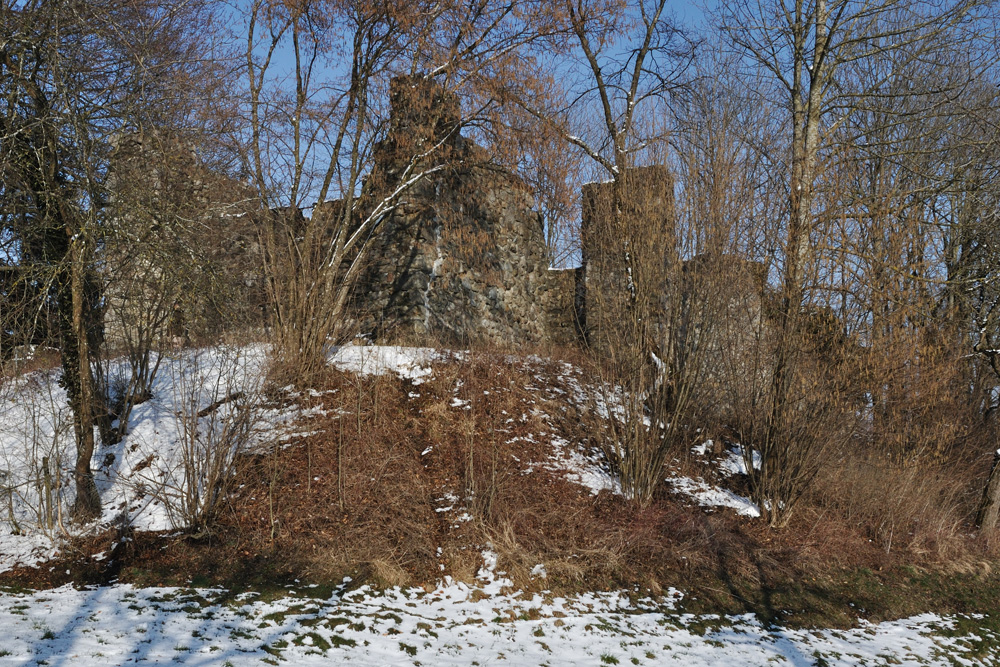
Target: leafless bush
(654, 321)
(783, 461)
(217, 410)
(786, 436)
(32, 483)
(635, 444)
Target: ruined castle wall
(616, 247)
(563, 305)
(463, 259)
(159, 185)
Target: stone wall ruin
(463, 257)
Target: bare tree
(73, 75)
(808, 47)
(317, 139)
(913, 194)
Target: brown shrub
(917, 512)
(401, 484)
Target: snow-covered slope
(140, 478)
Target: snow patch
(706, 495)
(409, 363)
(582, 468)
(453, 624)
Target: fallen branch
(235, 396)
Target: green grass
(836, 599)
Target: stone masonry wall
(643, 235)
(463, 258)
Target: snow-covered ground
(140, 480)
(410, 363)
(450, 625)
(707, 495)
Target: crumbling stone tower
(463, 257)
(617, 246)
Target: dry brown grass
(363, 496)
(917, 513)
(360, 498)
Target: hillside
(473, 479)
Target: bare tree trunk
(989, 506)
(88, 501)
(798, 252)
